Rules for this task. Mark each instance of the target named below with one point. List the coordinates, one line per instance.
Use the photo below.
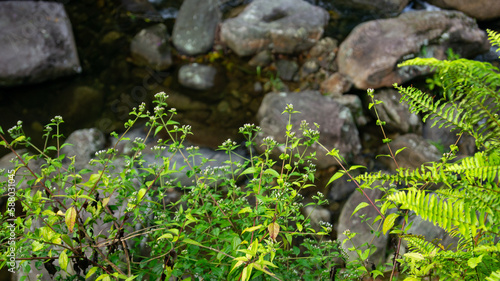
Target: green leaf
(104, 277)
(389, 222)
(158, 129)
(166, 236)
(272, 172)
(141, 194)
(252, 229)
(63, 260)
(91, 272)
(473, 262)
(192, 242)
(245, 210)
(359, 207)
(336, 176)
(399, 150)
(70, 218)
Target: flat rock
(150, 47)
(336, 124)
(370, 54)
(284, 26)
(195, 26)
(37, 43)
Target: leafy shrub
(237, 221)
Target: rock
(37, 43)
(309, 67)
(325, 52)
(85, 143)
(377, 8)
(83, 101)
(479, 9)
(340, 190)
(355, 224)
(396, 115)
(150, 48)
(337, 128)
(443, 137)
(197, 76)
(370, 54)
(262, 58)
(287, 69)
(195, 26)
(418, 151)
(284, 26)
(319, 217)
(335, 85)
(431, 232)
(355, 105)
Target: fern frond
(472, 104)
(494, 276)
(494, 37)
(420, 245)
(448, 214)
(478, 167)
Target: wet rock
(418, 151)
(83, 101)
(479, 9)
(355, 105)
(396, 115)
(284, 26)
(355, 224)
(85, 143)
(370, 54)
(337, 128)
(335, 85)
(195, 26)
(287, 69)
(37, 43)
(150, 48)
(197, 76)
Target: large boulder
(336, 125)
(195, 26)
(479, 9)
(361, 224)
(370, 54)
(36, 41)
(150, 47)
(397, 115)
(285, 26)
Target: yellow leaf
(274, 230)
(70, 218)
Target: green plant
(239, 221)
(468, 203)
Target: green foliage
(238, 221)
(467, 204)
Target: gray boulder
(37, 43)
(197, 76)
(195, 26)
(84, 144)
(150, 48)
(356, 224)
(370, 54)
(418, 151)
(284, 26)
(397, 115)
(336, 125)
